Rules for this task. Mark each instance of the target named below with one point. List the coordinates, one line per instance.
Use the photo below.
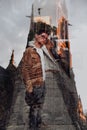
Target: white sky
(14, 27)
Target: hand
(29, 87)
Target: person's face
(42, 38)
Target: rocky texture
(55, 112)
(6, 89)
(64, 97)
(19, 109)
(62, 105)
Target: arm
(26, 64)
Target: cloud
(77, 11)
(14, 28)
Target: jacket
(31, 69)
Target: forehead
(45, 34)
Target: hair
(42, 31)
(41, 27)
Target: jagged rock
(65, 97)
(19, 115)
(6, 92)
(4, 96)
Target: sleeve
(26, 66)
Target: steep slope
(5, 96)
(65, 97)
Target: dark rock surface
(61, 102)
(19, 115)
(5, 94)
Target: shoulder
(29, 52)
(29, 49)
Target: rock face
(6, 91)
(60, 107)
(19, 109)
(3, 95)
(55, 113)
(62, 113)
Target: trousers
(35, 116)
(35, 100)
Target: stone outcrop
(66, 101)
(14, 111)
(19, 109)
(3, 97)
(6, 92)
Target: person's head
(41, 37)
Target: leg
(35, 117)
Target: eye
(44, 37)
